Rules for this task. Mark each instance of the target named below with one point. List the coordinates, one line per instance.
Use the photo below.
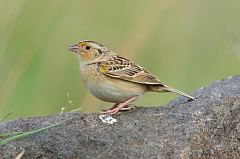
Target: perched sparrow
(113, 78)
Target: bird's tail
(165, 88)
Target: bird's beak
(74, 48)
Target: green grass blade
(24, 134)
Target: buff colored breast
(109, 89)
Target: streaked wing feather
(124, 69)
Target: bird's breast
(107, 88)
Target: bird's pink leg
(113, 107)
(127, 107)
(120, 106)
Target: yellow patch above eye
(83, 44)
(103, 68)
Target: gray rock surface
(208, 127)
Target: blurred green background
(187, 44)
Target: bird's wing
(124, 69)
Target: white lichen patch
(107, 119)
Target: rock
(208, 127)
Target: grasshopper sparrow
(113, 78)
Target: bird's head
(88, 51)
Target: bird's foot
(120, 107)
(115, 110)
(113, 107)
(128, 107)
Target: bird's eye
(88, 47)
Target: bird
(113, 78)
